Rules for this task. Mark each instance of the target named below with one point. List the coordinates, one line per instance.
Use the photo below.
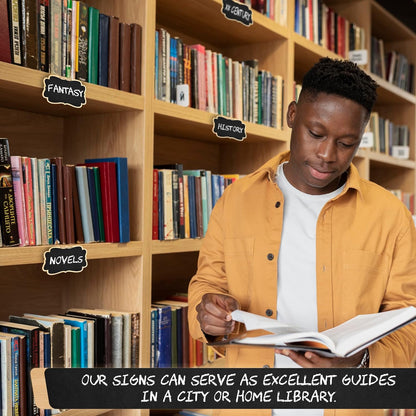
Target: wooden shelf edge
(192, 116)
(99, 99)
(176, 246)
(312, 47)
(386, 159)
(394, 89)
(16, 256)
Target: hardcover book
(8, 215)
(93, 35)
(104, 22)
(136, 58)
(343, 340)
(82, 71)
(113, 52)
(125, 57)
(5, 52)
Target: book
(15, 25)
(93, 202)
(31, 52)
(55, 37)
(5, 51)
(82, 72)
(79, 234)
(93, 37)
(69, 203)
(122, 188)
(58, 161)
(104, 22)
(343, 340)
(17, 174)
(113, 52)
(37, 195)
(125, 57)
(8, 215)
(136, 58)
(43, 39)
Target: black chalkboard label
(237, 11)
(225, 127)
(64, 260)
(238, 388)
(58, 90)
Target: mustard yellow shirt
(365, 261)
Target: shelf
(204, 20)
(21, 88)
(307, 53)
(176, 246)
(197, 124)
(11, 256)
(386, 159)
(388, 93)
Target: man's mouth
(318, 174)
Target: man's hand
(312, 360)
(214, 314)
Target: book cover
(69, 203)
(15, 25)
(135, 340)
(93, 202)
(164, 337)
(161, 213)
(136, 58)
(55, 221)
(31, 34)
(125, 57)
(93, 36)
(115, 196)
(5, 51)
(343, 340)
(6, 374)
(201, 76)
(36, 192)
(43, 38)
(84, 203)
(68, 57)
(113, 52)
(166, 176)
(17, 174)
(48, 202)
(103, 31)
(82, 71)
(58, 161)
(55, 37)
(8, 217)
(155, 208)
(79, 234)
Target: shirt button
(269, 312)
(277, 205)
(270, 256)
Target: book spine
(126, 347)
(104, 22)
(17, 173)
(79, 234)
(135, 340)
(83, 193)
(8, 217)
(64, 43)
(155, 216)
(93, 34)
(43, 35)
(68, 59)
(15, 375)
(60, 194)
(113, 52)
(55, 37)
(16, 29)
(117, 340)
(82, 72)
(125, 57)
(69, 203)
(136, 58)
(5, 44)
(31, 34)
(164, 337)
(41, 191)
(93, 203)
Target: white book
(343, 340)
(84, 203)
(6, 377)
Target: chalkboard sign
(225, 127)
(58, 90)
(64, 260)
(237, 11)
(238, 388)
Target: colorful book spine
(104, 22)
(8, 215)
(17, 173)
(93, 35)
(82, 71)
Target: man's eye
(347, 145)
(314, 134)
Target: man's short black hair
(343, 78)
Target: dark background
(404, 10)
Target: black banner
(169, 388)
(64, 260)
(58, 90)
(237, 11)
(226, 127)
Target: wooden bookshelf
(148, 131)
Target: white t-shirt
(296, 283)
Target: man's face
(326, 133)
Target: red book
(109, 199)
(155, 222)
(5, 53)
(202, 97)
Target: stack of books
(69, 38)
(80, 338)
(58, 203)
(183, 200)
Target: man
(307, 241)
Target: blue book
(164, 336)
(93, 203)
(192, 207)
(161, 208)
(47, 349)
(103, 30)
(122, 194)
(55, 222)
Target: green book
(99, 202)
(75, 347)
(93, 33)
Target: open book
(343, 341)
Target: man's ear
(291, 113)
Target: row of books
(216, 83)
(45, 201)
(406, 197)
(389, 138)
(80, 338)
(324, 26)
(274, 9)
(171, 343)
(392, 66)
(68, 38)
(183, 200)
